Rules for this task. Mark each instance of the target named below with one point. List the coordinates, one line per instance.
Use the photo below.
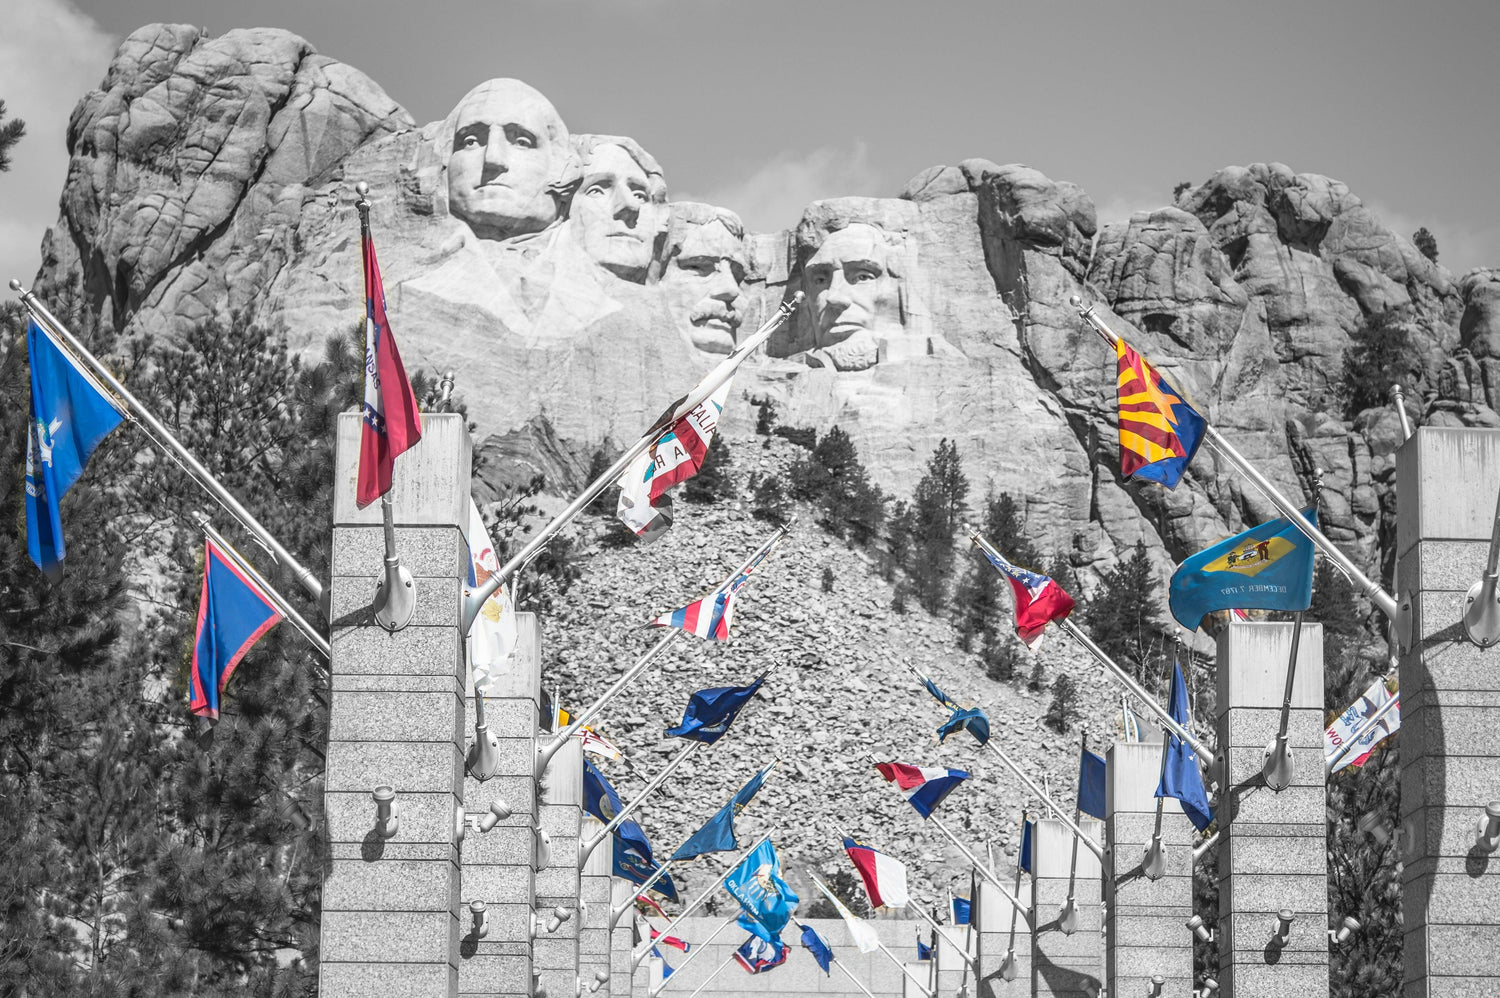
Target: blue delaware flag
(1269, 567)
(632, 850)
(1024, 862)
(233, 614)
(710, 712)
(1091, 784)
(1180, 776)
(717, 833)
(971, 719)
(818, 947)
(757, 885)
(70, 414)
(962, 909)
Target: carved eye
(637, 195)
(864, 276)
(524, 141)
(470, 141)
(595, 191)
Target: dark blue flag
(70, 414)
(924, 951)
(1027, 825)
(710, 712)
(1091, 784)
(961, 909)
(1269, 567)
(599, 798)
(717, 833)
(632, 850)
(818, 948)
(758, 954)
(1180, 776)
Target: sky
(765, 106)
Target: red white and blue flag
(924, 787)
(233, 614)
(1039, 599)
(673, 941)
(391, 420)
(757, 955)
(883, 876)
(676, 456)
(710, 616)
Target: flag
(1027, 828)
(233, 614)
(819, 949)
(1039, 599)
(924, 787)
(599, 798)
(1355, 715)
(598, 744)
(710, 616)
(971, 719)
(924, 951)
(865, 938)
(960, 909)
(710, 712)
(632, 850)
(756, 954)
(884, 877)
(676, 456)
(1159, 432)
(493, 637)
(646, 906)
(1091, 789)
(673, 941)
(757, 885)
(666, 968)
(1130, 725)
(717, 833)
(70, 414)
(1269, 567)
(391, 421)
(1180, 776)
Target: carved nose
(724, 286)
(496, 158)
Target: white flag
(865, 938)
(493, 637)
(1356, 714)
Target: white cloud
(1461, 246)
(51, 54)
(772, 197)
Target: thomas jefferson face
(618, 217)
(508, 145)
(850, 288)
(702, 285)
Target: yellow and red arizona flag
(1159, 432)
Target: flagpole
(707, 980)
(636, 960)
(1205, 757)
(544, 755)
(1363, 730)
(982, 871)
(688, 957)
(715, 380)
(586, 849)
(293, 617)
(939, 930)
(1276, 770)
(833, 959)
(163, 438)
(894, 959)
(1372, 590)
(1052, 805)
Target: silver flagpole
(1372, 590)
(293, 617)
(161, 436)
(986, 874)
(709, 979)
(636, 959)
(715, 380)
(586, 849)
(894, 958)
(1363, 730)
(1205, 757)
(688, 958)
(833, 959)
(545, 754)
(915, 906)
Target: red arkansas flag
(391, 421)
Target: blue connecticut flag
(70, 414)
(1269, 567)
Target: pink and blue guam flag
(924, 787)
(233, 614)
(1039, 599)
(1180, 776)
(70, 414)
(971, 719)
(674, 457)
(711, 616)
(392, 423)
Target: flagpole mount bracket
(1482, 613)
(1277, 766)
(483, 757)
(395, 598)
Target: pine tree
(1425, 241)
(11, 132)
(832, 479)
(770, 500)
(980, 600)
(714, 481)
(897, 540)
(937, 511)
(1122, 616)
(1063, 708)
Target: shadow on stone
(373, 847)
(1273, 952)
(1476, 862)
(468, 946)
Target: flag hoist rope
(1372, 590)
(700, 394)
(164, 438)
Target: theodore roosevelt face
(702, 283)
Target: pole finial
(362, 189)
(15, 285)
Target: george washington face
(509, 146)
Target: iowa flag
(1159, 432)
(391, 422)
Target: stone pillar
(595, 902)
(390, 905)
(1002, 930)
(554, 954)
(951, 971)
(1273, 851)
(623, 980)
(1447, 480)
(1144, 920)
(1062, 964)
(498, 864)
